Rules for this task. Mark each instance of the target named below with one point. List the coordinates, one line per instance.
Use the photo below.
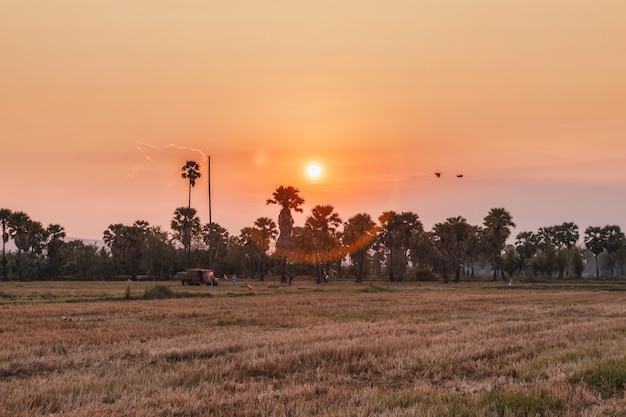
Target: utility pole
(210, 218)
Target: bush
(158, 292)
(424, 275)
(127, 294)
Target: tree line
(394, 245)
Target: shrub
(424, 275)
(127, 293)
(158, 292)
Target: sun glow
(314, 171)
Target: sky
(103, 101)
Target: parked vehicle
(197, 276)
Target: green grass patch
(607, 378)
(7, 296)
(579, 355)
(240, 294)
(376, 289)
(521, 403)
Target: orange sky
(102, 101)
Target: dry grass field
(337, 349)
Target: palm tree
(186, 226)
(595, 241)
(128, 244)
(19, 224)
(247, 239)
(37, 236)
(567, 235)
(388, 239)
(498, 224)
(358, 236)
(268, 232)
(265, 233)
(526, 245)
(289, 199)
(323, 222)
(614, 242)
(398, 233)
(5, 216)
(453, 238)
(443, 236)
(216, 238)
(191, 171)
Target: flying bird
(438, 174)
(459, 176)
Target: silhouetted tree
(127, 244)
(265, 233)
(323, 222)
(526, 246)
(216, 238)
(5, 216)
(595, 242)
(288, 198)
(19, 227)
(56, 234)
(498, 224)
(453, 239)
(358, 236)
(614, 241)
(567, 235)
(398, 233)
(191, 172)
(186, 226)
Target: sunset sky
(103, 101)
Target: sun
(314, 171)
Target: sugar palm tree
(288, 198)
(595, 242)
(614, 241)
(256, 242)
(268, 232)
(526, 245)
(191, 172)
(358, 236)
(567, 235)
(324, 222)
(398, 233)
(56, 234)
(498, 224)
(19, 223)
(186, 225)
(216, 238)
(453, 239)
(5, 216)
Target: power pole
(210, 218)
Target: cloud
(140, 147)
(186, 148)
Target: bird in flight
(438, 174)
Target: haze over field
(102, 102)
